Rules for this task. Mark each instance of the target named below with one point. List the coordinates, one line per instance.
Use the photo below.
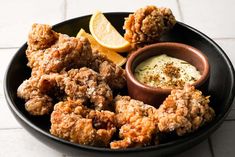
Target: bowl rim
(129, 72)
(197, 135)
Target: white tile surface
(5, 57)
(19, 143)
(223, 140)
(6, 118)
(17, 16)
(213, 17)
(77, 8)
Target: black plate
(221, 89)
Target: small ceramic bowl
(155, 95)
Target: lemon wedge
(106, 35)
(110, 54)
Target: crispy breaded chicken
(41, 37)
(49, 51)
(184, 111)
(77, 82)
(112, 74)
(148, 24)
(83, 84)
(37, 103)
(63, 53)
(72, 121)
(52, 53)
(86, 84)
(136, 121)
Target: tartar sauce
(166, 72)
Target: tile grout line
(180, 10)
(16, 128)
(2, 48)
(211, 147)
(224, 38)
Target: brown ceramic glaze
(155, 95)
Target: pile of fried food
(76, 84)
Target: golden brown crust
(83, 84)
(41, 37)
(113, 75)
(148, 24)
(66, 53)
(74, 122)
(83, 93)
(184, 111)
(51, 53)
(136, 121)
(37, 103)
(168, 18)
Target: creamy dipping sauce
(166, 72)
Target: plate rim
(199, 135)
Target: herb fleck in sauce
(166, 72)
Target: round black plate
(221, 89)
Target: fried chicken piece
(49, 51)
(136, 121)
(40, 92)
(36, 102)
(114, 75)
(41, 37)
(98, 91)
(104, 123)
(148, 24)
(65, 52)
(83, 84)
(184, 111)
(168, 18)
(74, 122)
